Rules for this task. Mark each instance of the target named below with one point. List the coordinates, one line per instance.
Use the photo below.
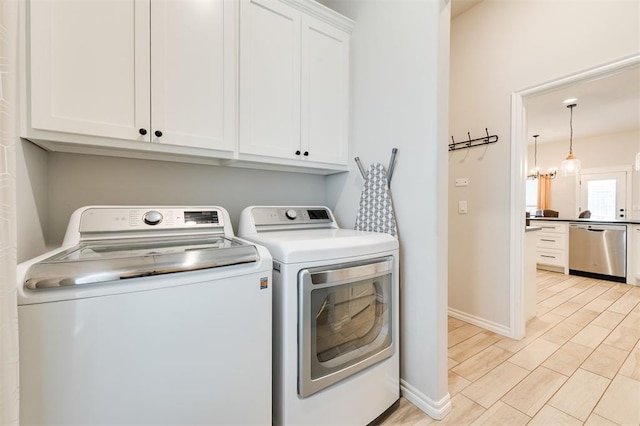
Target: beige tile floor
(578, 364)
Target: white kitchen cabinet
(635, 254)
(294, 68)
(552, 246)
(116, 75)
(530, 285)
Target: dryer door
(344, 321)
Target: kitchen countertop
(609, 222)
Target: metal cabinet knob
(306, 153)
(298, 152)
(158, 133)
(143, 131)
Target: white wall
(594, 152)
(55, 184)
(499, 47)
(399, 74)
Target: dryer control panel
(291, 215)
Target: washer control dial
(152, 217)
(291, 214)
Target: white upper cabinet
(193, 91)
(269, 79)
(89, 67)
(325, 92)
(132, 71)
(252, 83)
(294, 69)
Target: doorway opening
(519, 174)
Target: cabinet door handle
(550, 257)
(549, 241)
(306, 153)
(158, 133)
(298, 152)
(143, 131)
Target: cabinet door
(89, 67)
(636, 250)
(324, 83)
(193, 73)
(269, 79)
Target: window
(604, 193)
(601, 199)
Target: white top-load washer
(335, 312)
(146, 315)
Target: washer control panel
(152, 217)
(107, 219)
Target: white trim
(323, 13)
(481, 322)
(434, 409)
(517, 218)
(518, 160)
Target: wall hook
(485, 140)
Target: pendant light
(535, 173)
(571, 165)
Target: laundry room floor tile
(579, 363)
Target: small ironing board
(375, 212)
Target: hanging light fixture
(535, 173)
(571, 165)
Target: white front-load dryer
(335, 316)
(146, 315)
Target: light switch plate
(462, 207)
(462, 182)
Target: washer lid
(113, 260)
(311, 245)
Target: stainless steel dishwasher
(598, 251)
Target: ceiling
(606, 105)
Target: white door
(269, 79)
(89, 63)
(193, 73)
(604, 195)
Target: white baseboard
(481, 322)
(434, 409)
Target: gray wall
(52, 185)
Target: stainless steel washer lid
(107, 261)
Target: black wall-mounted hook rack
(485, 140)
